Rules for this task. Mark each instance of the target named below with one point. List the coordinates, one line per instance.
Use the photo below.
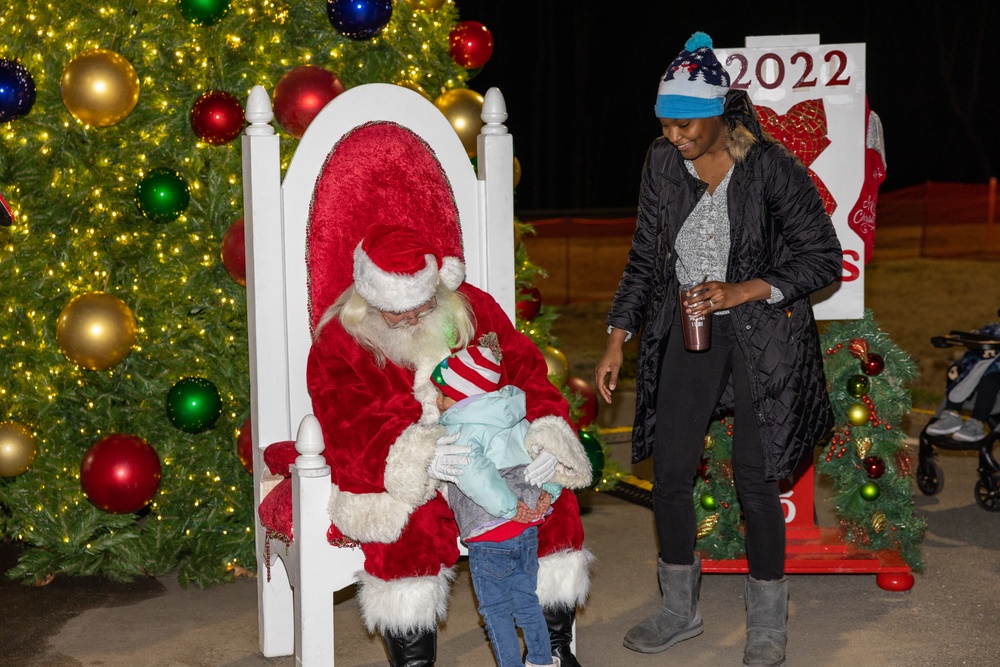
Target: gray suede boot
(767, 617)
(678, 617)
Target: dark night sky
(580, 79)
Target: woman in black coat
(724, 206)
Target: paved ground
(948, 618)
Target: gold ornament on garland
(709, 442)
(95, 330)
(17, 449)
(857, 413)
(862, 445)
(99, 87)
(707, 525)
(878, 522)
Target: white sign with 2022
(812, 97)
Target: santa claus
(369, 377)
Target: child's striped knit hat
(474, 370)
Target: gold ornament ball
(95, 330)
(99, 87)
(517, 171)
(857, 413)
(557, 365)
(463, 108)
(17, 449)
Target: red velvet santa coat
(380, 428)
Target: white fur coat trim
(368, 517)
(405, 476)
(564, 579)
(401, 606)
(552, 434)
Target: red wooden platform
(810, 549)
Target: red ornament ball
(234, 254)
(588, 409)
(244, 446)
(873, 365)
(874, 466)
(120, 474)
(858, 348)
(471, 44)
(528, 304)
(217, 117)
(301, 94)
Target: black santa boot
(413, 649)
(560, 622)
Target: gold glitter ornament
(707, 525)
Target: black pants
(690, 386)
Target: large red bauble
(217, 117)
(244, 446)
(471, 44)
(234, 253)
(120, 473)
(301, 94)
(873, 365)
(528, 304)
(588, 409)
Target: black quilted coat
(780, 233)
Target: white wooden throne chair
(297, 578)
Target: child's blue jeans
(504, 575)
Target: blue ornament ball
(359, 19)
(17, 90)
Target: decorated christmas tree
(125, 390)
(124, 436)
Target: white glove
(541, 469)
(449, 459)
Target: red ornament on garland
(588, 409)
(217, 117)
(471, 44)
(858, 348)
(244, 446)
(874, 466)
(301, 94)
(120, 474)
(234, 254)
(528, 304)
(873, 365)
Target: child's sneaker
(971, 431)
(949, 422)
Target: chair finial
(494, 112)
(259, 113)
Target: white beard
(419, 347)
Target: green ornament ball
(708, 501)
(592, 447)
(204, 12)
(162, 195)
(858, 385)
(193, 404)
(870, 491)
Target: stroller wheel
(987, 496)
(930, 477)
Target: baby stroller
(981, 360)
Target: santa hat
(397, 270)
(695, 84)
(474, 370)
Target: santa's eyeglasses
(408, 317)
